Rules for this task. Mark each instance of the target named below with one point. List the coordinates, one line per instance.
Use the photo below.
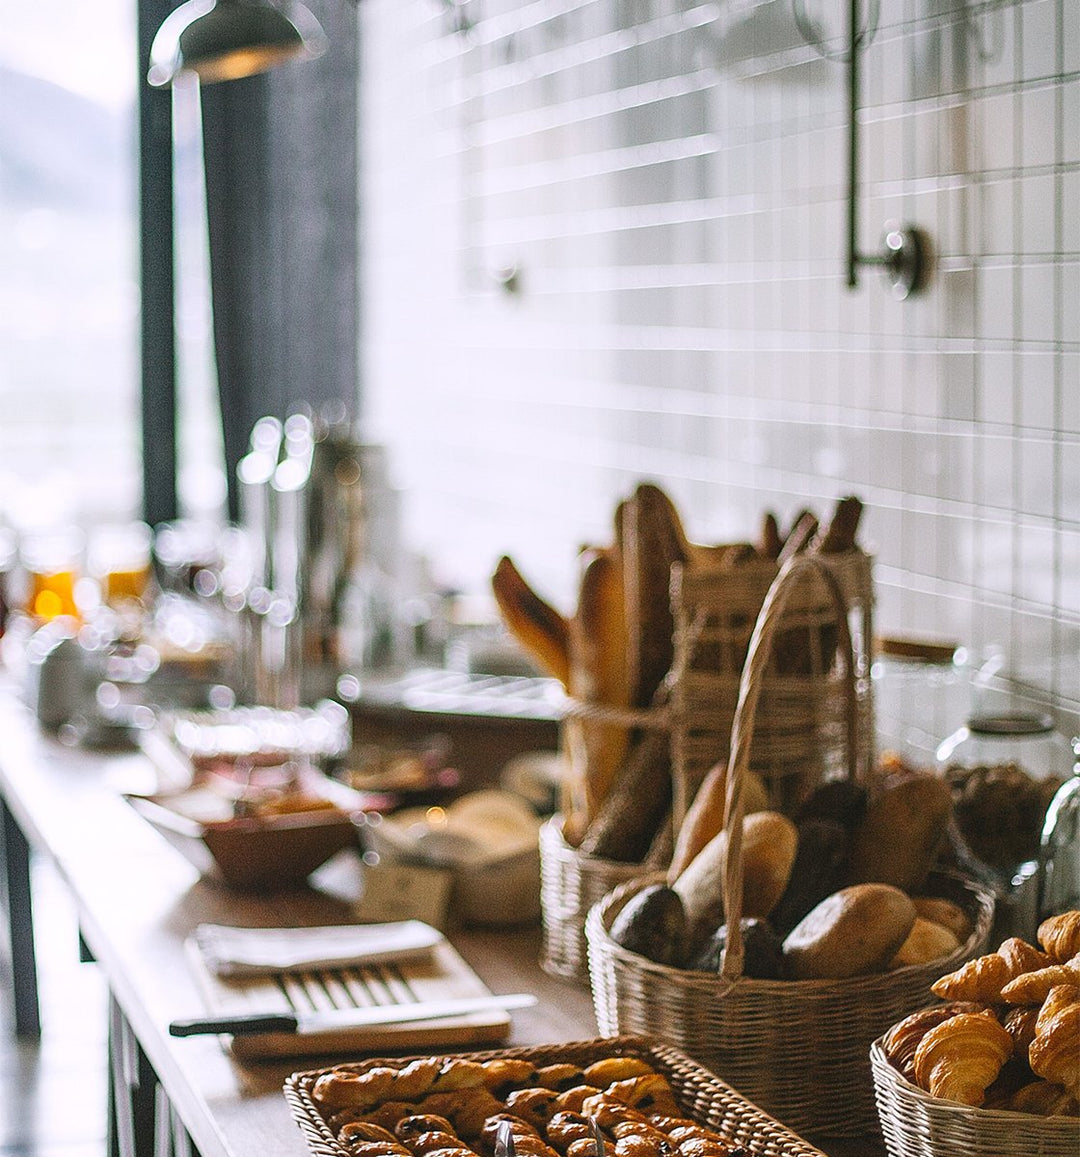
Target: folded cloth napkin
(255, 951)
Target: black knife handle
(235, 1025)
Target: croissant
(1044, 1099)
(903, 1038)
(1055, 1051)
(1033, 987)
(981, 980)
(1019, 1023)
(960, 1058)
(1022, 957)
(1060, 935)
(1058, 998)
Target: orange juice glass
(120, 561)
(52, 560)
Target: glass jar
(1003, 771)
(921, 692)
(1059, 860)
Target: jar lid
(920, 650)
(1018, 723)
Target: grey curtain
(281, 190)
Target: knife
(324, 1020)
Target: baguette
(839, 535)
(630, 819)
(538, 627)
(598, 672)
(771, 542)
(652, 541)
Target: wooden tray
(701, 1095)
(442, 974)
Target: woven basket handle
(742, 731)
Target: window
(69, 295)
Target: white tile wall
(667, 178)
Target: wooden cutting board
(440, 975)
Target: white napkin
(255, 951)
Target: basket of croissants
(776, 950)
(993, 1069)
(651, 658)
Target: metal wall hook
(902, 256)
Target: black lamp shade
(227, 39)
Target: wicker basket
(570, 884)
(797, 1048)
(702, 1096)
(799, 736)
(917, 1125)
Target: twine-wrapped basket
(915, 1124)
(800, 729)
(801, 734)
(701, 1094)
(798, 1048)
(571, 882)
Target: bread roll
(925, 942)
(770, 841)
(945, 913)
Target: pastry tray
(436, 976)
(701, 1094)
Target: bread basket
(799, 1049)
(915, 1124)
(701, 1094)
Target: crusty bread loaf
(899, 839)
(769, 841)
(854, 931)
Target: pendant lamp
(228, 39)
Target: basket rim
(884, 1072)
(597, 929)
(297, 1085)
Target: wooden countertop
(138, 901)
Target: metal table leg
(20, 915)
(133, 1092)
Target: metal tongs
(504, 1140)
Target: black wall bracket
(903, 257)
